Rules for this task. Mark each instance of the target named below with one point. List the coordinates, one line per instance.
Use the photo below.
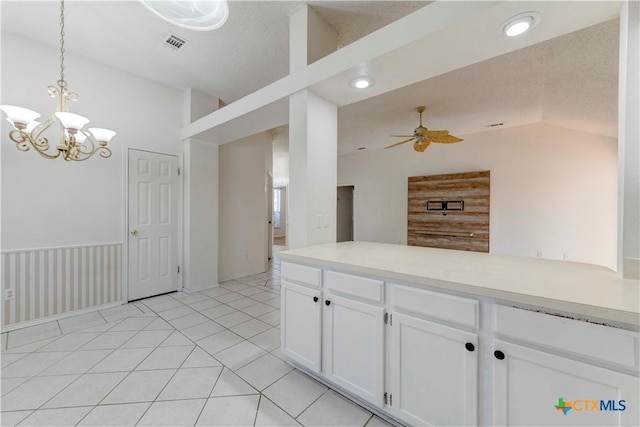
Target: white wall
(48, 203)
(629, 136)
(201, 215)
(243, 216)
(552, 190)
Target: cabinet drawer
(301, 274)
(596, 341)
(370, 289)
(434, 304)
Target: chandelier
(76, 144)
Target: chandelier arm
(24, 142)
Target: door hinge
(385, 398)
(178, 171)
(391, 400)
(391, 319)
(386, 319)
(178, 269)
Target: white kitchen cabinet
(301, 320)
(354, 347)
(528, 384)
(434, 373)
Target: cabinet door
(301, 316)
(434, 373)
(529, 385)
(354, 344)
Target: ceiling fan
(422, 136)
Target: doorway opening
(344, 216)
(280, 216)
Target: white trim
(56, 317)
(125, 222)
(189, 291)
(49, 248)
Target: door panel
(301, 324)
(354, 338)
(153, 224)
(434, 375)
(529, 385)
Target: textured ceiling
(570, 81)
(250, 51)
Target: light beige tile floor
(206, 358)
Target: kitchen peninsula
(439, 337)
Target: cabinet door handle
(498, 354)
(327, 302)
(469, 346)
(315, 299)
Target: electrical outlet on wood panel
(9, 294)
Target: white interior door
(153, 224)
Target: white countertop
(592, 291)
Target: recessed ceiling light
(361, 83)
(520, 24)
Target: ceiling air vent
(174, 42)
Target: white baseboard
(190, 291)
(35, 322)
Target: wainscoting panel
(52, 281)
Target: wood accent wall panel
(466, 230)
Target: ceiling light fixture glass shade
(75, 144)
(197, 15)
(520, 24)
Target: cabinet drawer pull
(327, 302)
(469, 346)
(498, 354)
(315, 299)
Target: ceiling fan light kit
(423, 137)
(75, 144)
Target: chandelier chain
(62, 81)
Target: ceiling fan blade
(421, 147)
(445, 139)
(398, 143)
(431, 133)
(403, 136)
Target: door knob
(134, 232)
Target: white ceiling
(250, 51)
(569, 81)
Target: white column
(200, 231)
(629, 142)
(313, 137)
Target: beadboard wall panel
(52, 281)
